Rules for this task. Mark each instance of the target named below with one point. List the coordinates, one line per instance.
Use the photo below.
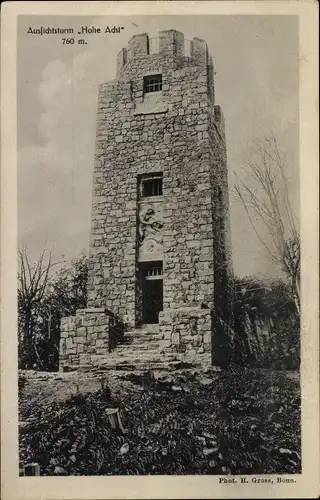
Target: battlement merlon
(170, 43)
(199, 52)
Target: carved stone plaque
(150, 231)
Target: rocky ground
(184, 421)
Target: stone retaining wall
(84, 338)
(187, 330)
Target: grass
(238, 421)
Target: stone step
(147, 351)
(143, 331)
(137, 355)
(157, 362)
(135, 361)
(151, 344)
(132, 365)
(145, 337)
(146, 346)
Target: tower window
(151, 186)
(153, 270)
(152, 83)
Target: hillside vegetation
(238, 421)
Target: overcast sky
(256, 83)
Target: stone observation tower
(160, 253)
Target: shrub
(246, 422)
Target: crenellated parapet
(170, 43)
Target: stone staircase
(140, 350)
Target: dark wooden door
(152, 300)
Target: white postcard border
(307, 483)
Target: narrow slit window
(152, 83)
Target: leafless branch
(264, 194)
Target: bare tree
(265, 197)
(32, 285)
(44, 296)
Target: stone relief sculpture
(150, 222)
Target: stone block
(84, 359)
(79, 340)
(163, 345)
(63, 349)
(95, 358)
(69, 343)
(78, 321)
(103, 334)
(102, 351)
(207, 337)
(197, 341)
(167, 335)
(99, 343)
(81, 331)
(67, 323)
(176, 338)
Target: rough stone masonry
(160, 250)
